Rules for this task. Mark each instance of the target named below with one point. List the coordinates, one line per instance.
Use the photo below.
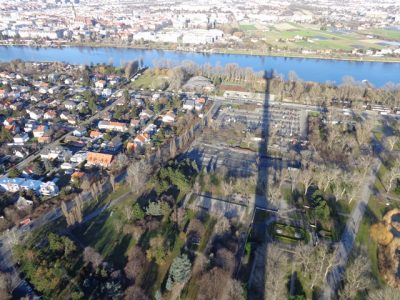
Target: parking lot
(283, 121)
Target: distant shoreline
(214, 51)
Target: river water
(319, 70)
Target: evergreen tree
(137, 212)
(179, 271)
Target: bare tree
(326, 177)
(276, 272)
(68, 217)
(386, 293)
(85, 185)
(135, 293)
(212, 285)
(364, 131)
(315, 263)
(234, 291)
(77, 210)
(357, 278)
(128, 212)
(307, 178)
(225, 259)
(391, 141)
(196, 228)
(136, 263)
(138, 173)
(92, 256)
(112, 181)
(121, 161)
(172, 148)
(5, 286)
(393, 176)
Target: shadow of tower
(258, 291)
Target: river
(319, 70)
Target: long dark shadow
(258, 291)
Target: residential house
(35, 114)
(199, 103)
(9, 122)
(20, 152)
(30, 125)
(95, 134)
(79, 132)
(188, 105)
(106, 93)
(79, 157)
(49, 189)
(135, 123)
(142, 139)
(46, 139)
(77, 176)
(70, 105)
(72, 119)
(23, 203)
(99, 159)
(113, 126)
(49, 115)
(106, 115)
(40, 131)
(169, 117)
(17, 106)
(131, 147)
(59, 153)
(150, 129)
(65, 115)
(100, 84)
(21, 139)
(146, 115)
(113, 146)
(67, 166)
(14, 185)
(68, 81)
(3, 93)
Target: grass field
(310, 37)
(372, 215)
(387, 34)
(149, 81)
(247, 27)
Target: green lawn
(386, 33)
(320, 39)
(247, 27)
(104, 233)
(372, 215)
(149, 81)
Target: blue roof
(26, 183)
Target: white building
(14, 185)
(188, 105)
(21, 139)
(78, 157)
(113, 126)
(202, 36)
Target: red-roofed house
(99, 159)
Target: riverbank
(316, 69)
(231, 51)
